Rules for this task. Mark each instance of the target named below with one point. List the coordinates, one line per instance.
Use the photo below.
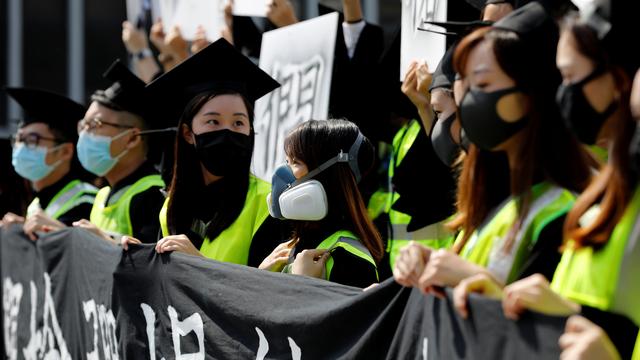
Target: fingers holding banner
(585, 340)
(410, 264)
(534, 293)
(126, 240)
(482, 284)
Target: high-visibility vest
(606, 278)
(233, 244)
(485, 246)
(74, 194)
(434, 235)
(114, 217)
(349, 242)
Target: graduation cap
(126, 93)
(453, 28)
(57, 111)
(219, 66)
(534, 26)
(445, 75)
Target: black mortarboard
(539, 34)
(445, 75)
(57, 111)
(126, 92)
(454, 28)
(219, 66)
(535, 27)
(530, 22)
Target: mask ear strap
(353, 157)
(324, 166)
(599, 70)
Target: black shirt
(621, 330)
(545, 254)
(145, 206)
(76, 213)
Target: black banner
(70, 295)
(57, 295)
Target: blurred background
(65, 45)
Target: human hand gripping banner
(70, 295)
(56, 295)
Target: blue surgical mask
(94, 152)
(30, 163)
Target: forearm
(146, 68)
(426, 116)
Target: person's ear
(66, 151)
(134, 139)
(187, 134)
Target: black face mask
(464, 141)
(480, 119)
(578, 114)
(634, 150)
(224, 152)
(443, 144)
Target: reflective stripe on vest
(348, 241)
(75, 193)
(233, 244)
(433, 235)
(114, 218)
(486, 247)
(606, 278)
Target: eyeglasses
(31, 140)
(95, 123)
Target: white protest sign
(134, 8)
(250, 8)
(421, 45)
(189, 14)
(300, 57)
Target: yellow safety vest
(485, 246)
(348, 241)
(434, 235)
(114, 218)
(75, 193)
(233, 244)
(607, 278)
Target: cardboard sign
(189, 14)
(300, 57)
(256, 8)
(417, 44)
